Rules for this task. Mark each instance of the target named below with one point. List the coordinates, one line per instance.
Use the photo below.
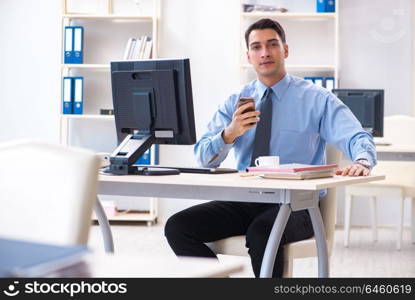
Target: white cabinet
(108, 24)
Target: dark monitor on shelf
(367, 106)
(153, 104)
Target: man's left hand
(354, 170)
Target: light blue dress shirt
(305, 117)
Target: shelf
(311, 67)
(321, 16)
(103, 25)
(91, 117)
(303, 67)
(108, 17)
(85, 66)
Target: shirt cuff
(366, 156)
(218, 144)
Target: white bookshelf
(100, 48)
(84, 66)
(313, 39)
(108, 17)
(321, 16)
(302, 67)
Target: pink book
(293, 168)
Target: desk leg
(274, 240)
(105, 227)
(320, 237)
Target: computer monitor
(153, 104)
(367, 106)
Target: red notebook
(293, 168)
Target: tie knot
(268, 93)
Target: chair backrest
(47, 192)
(398, 130)
(328, 205)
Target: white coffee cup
(267, 161)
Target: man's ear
(248, 57)
(286, 50)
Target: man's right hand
(241, 122)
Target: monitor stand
(156, 171)
(146, 171)
(133, 147)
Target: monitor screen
(153, 104)
(367, 106)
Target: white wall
(208, 33)
(375, 50)
(376, 53)
(29, 64)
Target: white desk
(399, 153)
(107, 265)
(293, 195)
(396, 152)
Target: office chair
(399, 182)
(47, 192)
(302, 249)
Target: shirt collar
(279, 88)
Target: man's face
(266, 52)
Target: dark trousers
(188, 231)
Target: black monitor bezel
(141, 82)
(186, 134)
(379, 105)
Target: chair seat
(303, 249)
(235, 245)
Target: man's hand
(241, 122)
(354, 170)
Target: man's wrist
(364, 162)
(227, 138)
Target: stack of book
(138, 48)
(295, 171)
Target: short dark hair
(264, 24)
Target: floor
(363, 258)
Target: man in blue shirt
(299, 118)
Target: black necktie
(263, 128)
